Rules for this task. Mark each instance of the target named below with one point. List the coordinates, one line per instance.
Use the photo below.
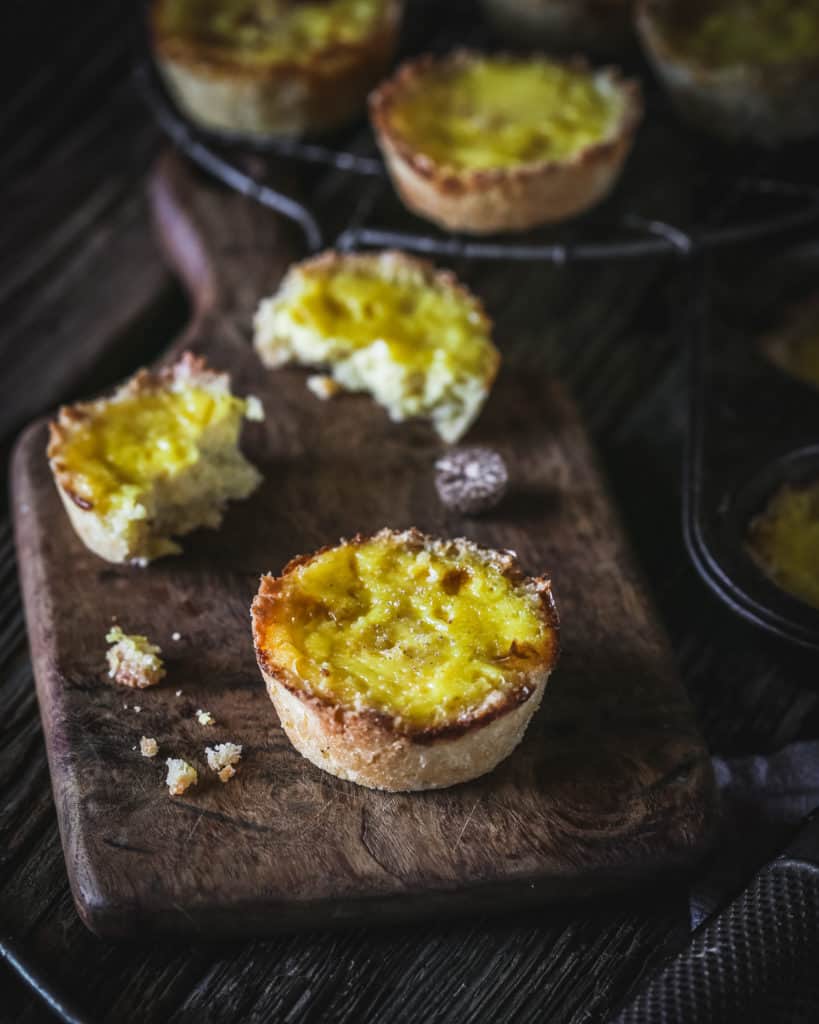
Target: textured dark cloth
(764, 800)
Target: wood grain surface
(612, 783)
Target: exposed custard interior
(423, 325)
(784, 541)
(754, 32)
(499, 113)
(424, 636)
(129, 443)
(262, 32)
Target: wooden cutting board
(611, 785)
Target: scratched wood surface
(612, 783)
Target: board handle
(229, 251)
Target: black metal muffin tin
(752, 428)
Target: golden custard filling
(420, 325)
(495, 113)
(129, 444)
(424, 636)
(754, 32)
(263, 32)
(784, 541)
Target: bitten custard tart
(482, 144)
(742, 69)
(402, 662)
(273, 67)
(157, 459)
(387, 324)
(599, 26)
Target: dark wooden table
(78, 265)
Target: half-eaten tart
(157, 459)
(485, 144)
(273, 67)
(402, 662)
(740, 69)
(593, 26)
(389, 325)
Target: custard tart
(783, 540)
(265, 68)
(484, 144)
(157, 459)
(740, 69)
(389, 325)
(402, 662)
(595, 26)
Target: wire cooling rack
(737, 195)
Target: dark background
(78, 267)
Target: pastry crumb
(223, 758)
(254, 410)
(133, 660)
(137, 708)
(322, 386)
(178, 693)
(180, 776)
(204, 717)
(176, 636)
(148, 746)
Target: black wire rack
(759, 189)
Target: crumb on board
(148, 746)
(178, 693)
(180, 776)
(223, 759)
(322, 386)
(254, 410)
(176, 636)
(137, 708)
(133, 660)
(204, 717)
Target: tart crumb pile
(148, 746)
(181, 776)
(223, 758)
(133, 660)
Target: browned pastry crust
(378, 750)
(482, 201)
(284, 98)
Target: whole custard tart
(273, 67)
(502, 143)
(402, 662)
(740, 69)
